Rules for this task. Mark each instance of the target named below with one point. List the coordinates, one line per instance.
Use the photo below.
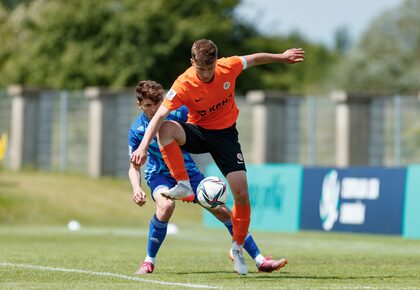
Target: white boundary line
(106, 274)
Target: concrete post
(353, 128)
(102, 131)
(23, 126)
(275, 127)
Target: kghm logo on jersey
(226, 85)
(216, 107)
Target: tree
(12, 4)
(79, 43)
(306, 77)
(387, 58)
(342, 40)
(108, 42)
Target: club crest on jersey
(171, 94)
(226, 85)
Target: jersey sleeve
(133, 142)
(173, 99)
(237, 63)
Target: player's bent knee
(167, 129)
(170, 131)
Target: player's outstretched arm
(290, 56)
(139, 197)
(139, 156)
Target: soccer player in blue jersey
(149, 97)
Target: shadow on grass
(285, 275)
(205, 272)
(288, 276)
(251, 274)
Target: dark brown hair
(204, 51)
(149, 90)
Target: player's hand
(139, 198)
(293, 55)
(139, 156)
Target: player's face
(149, 107)
(205, 72)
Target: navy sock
(157, 234)
(250, 246)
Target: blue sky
(317, 20)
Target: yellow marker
(3, 145)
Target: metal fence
(5, 115)
(64, 127)
(395, 139)
(69, 142)
(62, 137)
(402, 130)
(70, 132)
(317, 131)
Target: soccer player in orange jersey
(207, 89)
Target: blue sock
(157, 234)
(249, 245)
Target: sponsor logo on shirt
(216, 107)
(171, 94)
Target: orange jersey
(210, 105)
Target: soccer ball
(211, 192)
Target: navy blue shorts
(159, 181)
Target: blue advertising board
(367, 200)
(411, 228)
(275, 197)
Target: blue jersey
(155, 164)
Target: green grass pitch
(38, 252)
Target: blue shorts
(158, 181)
